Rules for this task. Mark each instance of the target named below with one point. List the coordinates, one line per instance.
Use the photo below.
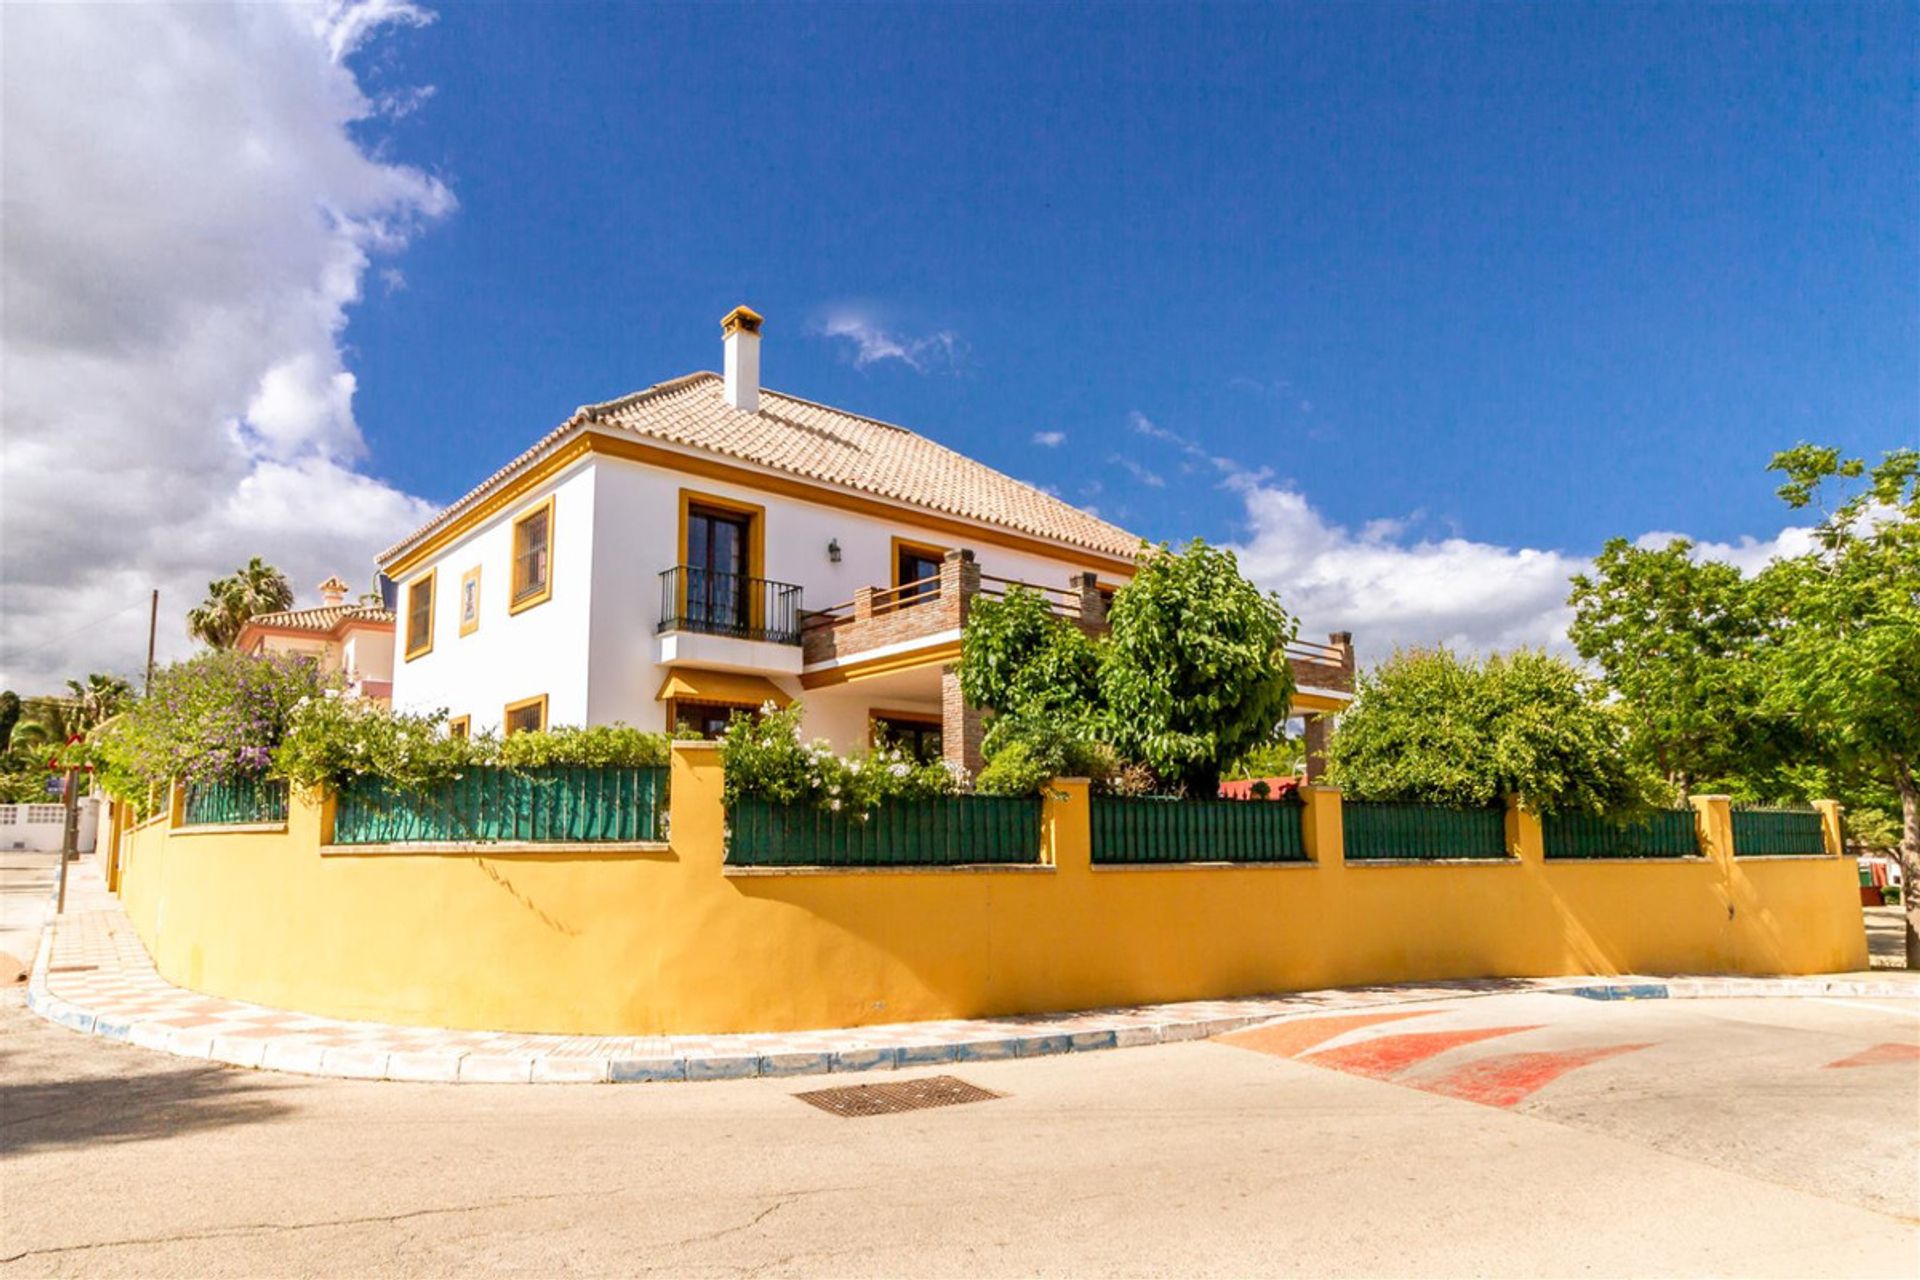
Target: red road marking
(1389, 1055)
(1293, 1038)
(1880, 1055)
(1513, 1077)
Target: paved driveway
(26, 880)
(1507, 1135)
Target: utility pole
(69, 833)
(153, 627)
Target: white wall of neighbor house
(509, 656)
(637, 528)
(367, 653)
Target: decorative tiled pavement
(93, 975)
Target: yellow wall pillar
(1833, 835)
(696, 808)
(1713, 827)
(176, 804)
(1321, 827)
(1066, 825)
(1525, 839)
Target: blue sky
(1452, 293)
(1539, 275)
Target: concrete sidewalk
(93, 975)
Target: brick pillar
(959, 584)
(1319, 730)
(960, 725)
(863, 604)
(1093, 605)
(1343, 641)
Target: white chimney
(333, 591)
(741, 335)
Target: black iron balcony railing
(729, 604)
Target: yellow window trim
(460, 727)
(756, 526)
(545, 593)
(506, 719)
(469, 626)
(927, 549)
(406, 624)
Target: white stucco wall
(510, 656)
(368, 654)
(593, 647)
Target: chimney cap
(333, 590)
(742, 319)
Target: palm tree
(255, 589)
(47, 722)
(98, 698)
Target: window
(915, 562)
(460, 727)
(532, 558)
(705, 719)
(916, 737)
(529, 715)
(419, 617)
(470, 601)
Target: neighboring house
(354, 641)
(706, 546)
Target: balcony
(728, 621)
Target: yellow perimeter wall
(667, 941)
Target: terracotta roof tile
(322, 618)
(815, 442)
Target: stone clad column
(961, 727)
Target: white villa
(707, 545)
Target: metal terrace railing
(729, 604)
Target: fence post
(1066, 825)
(176, 804)
(1833, 836)
(1321, 827)
(323, 798)
(697, 816)
(1713, 826)
(1525, 839)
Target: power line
(85, 626)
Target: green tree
(9, 717)
(1434, 727)
(1017, 654)
(1194, 671)
(98, 698)
(255, 588)
(1679, 641)
(1848, 663)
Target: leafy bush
(1017, 653)
(219, 715)
(607, 745)
(333, 740)
(764, 759)
(1018, 770)
(1027, 747)
(1432, 727)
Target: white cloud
(1393, 589)
(1152, 479)
(1049, 439)
(188, 222)
(1193, 450)
(873, 343)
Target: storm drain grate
(896, 1096)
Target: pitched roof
(815, 442)
(322, 618)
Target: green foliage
(1872, 829)
(764, 759)
(1025, 748)
(9, 717)
(332, 740)
(1281, 758)
(1195, 674)
(256, 588)
(614, 745)
(1848, 659)
(1016, 653)
(219, 715)
(1684, 645)
(1018, 770)
(1432, 727)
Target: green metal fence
(1664, 833)
(1158, 831)
(1775, 833)
(945, 831)
(229, 801)
(1376, 830)
(557, 804)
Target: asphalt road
(1513, 1135)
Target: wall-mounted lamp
(833, 550)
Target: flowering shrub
(333, 740)
(216, 716)
(610, 745)
(764, 759)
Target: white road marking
(1912, 1010)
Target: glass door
(717, 583)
